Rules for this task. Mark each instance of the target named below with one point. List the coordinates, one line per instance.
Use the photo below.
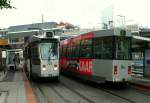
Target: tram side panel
(112, 70)
(99, 70)
(35, 68)
(102, 69)
(123, 70)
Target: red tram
(101, 55)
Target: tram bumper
(50, 74)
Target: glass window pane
(86, 48)
(123, 48)
(49, 51)
(34, 52)
(103, 48)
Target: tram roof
(101, 33)
(112, 32)
(35, 39)
(98, 33)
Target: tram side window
(60, 52)
(34, 53)
(102, 48)
(69, 53)
(26, 53)
(64, 52)
(86, 48)
(75, 51)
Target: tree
(5, 4)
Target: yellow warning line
(29, 93)
(30, 96)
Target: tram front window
(123, 48)
(48, 51)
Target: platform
(142, 83)
(15, 88)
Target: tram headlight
(43, 69)
(55, 67)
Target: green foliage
(5, 4)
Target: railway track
(78, 93)
(59, 90)
(72, 91)
(105, 90)
(128, 94)
(115, 94)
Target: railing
(137, 68)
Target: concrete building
(3, 46)
(141, 52)
(17, 34)
(35, 26)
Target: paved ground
(2, 75)
(71, 90)
(15, 88)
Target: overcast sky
(85, 13)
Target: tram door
(147, 63)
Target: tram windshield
(123, 48)
(49, 51)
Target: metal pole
(123, 20)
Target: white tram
(42, 57)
